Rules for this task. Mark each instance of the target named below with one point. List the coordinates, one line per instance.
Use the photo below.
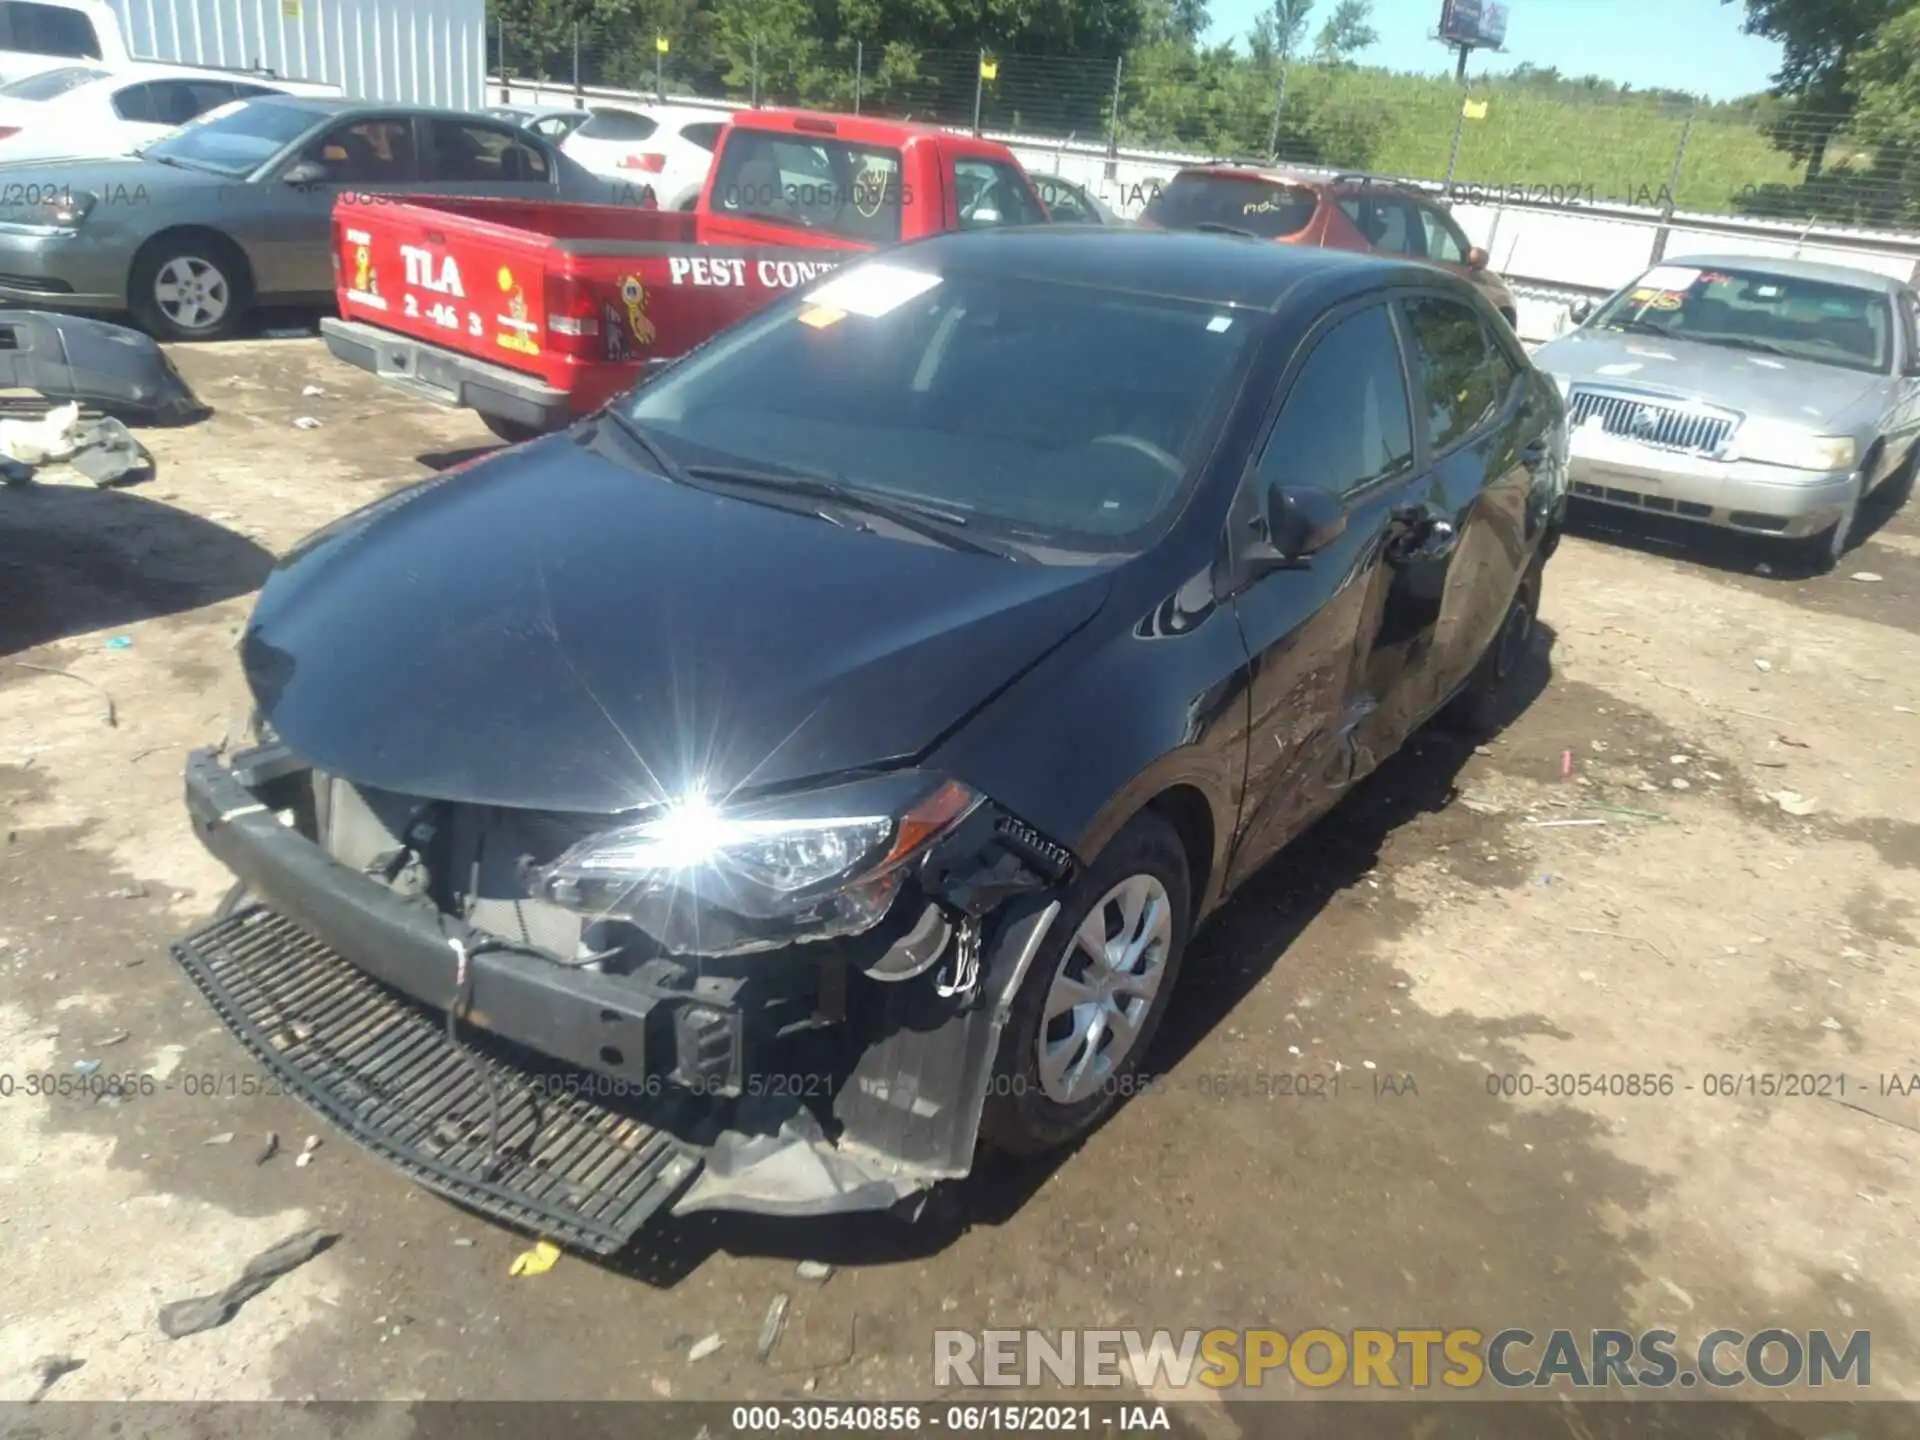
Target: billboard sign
(1473, 23)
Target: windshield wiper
(1214, 227)
(1741, 342)
(1638, 327)
(932, 521)
(636, 432)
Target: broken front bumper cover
(544, 1112)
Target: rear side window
(811, 183)
(47, 30)
(51, 84)
(1345, 423)
(991, 192)
(1266, 208)
(1460, 375)
(621, 125)
(704, 133)
(172, 102)
(468, 153)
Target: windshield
(1830, 324)
(1263, 207)
(815, 182)
(1060, 416)
(51, 84)
(237, 143)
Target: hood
(552, 628)
(27, 186)
(1776, 386)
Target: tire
(207, 279)
(511, 431)
(1476, 709)
(1140, 884)
(1820, 553)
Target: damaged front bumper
(578, 1102)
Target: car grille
(1663, 425)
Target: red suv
(1348, 212)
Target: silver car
(236, 210)
(1762, 395)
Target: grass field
(1601, 151)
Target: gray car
(1761, 395)
(236, 210)
(1070, 203)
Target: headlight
(1775, 442)
(70, 211)
(708, 878)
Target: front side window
(1752, 308)
(811, 183)
(1458, 371)
(1063, 416)
(367, 152)
(1345, 423)
(1444, 243)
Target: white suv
(669, 147)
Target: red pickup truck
(535, 313)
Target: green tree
(1818, 40)
(1348, 31)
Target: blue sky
(1691, 45)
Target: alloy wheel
(192, 292)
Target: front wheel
(1085, 1013)
(191, 286)
(1820, 553)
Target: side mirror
(304, 172)
(1477, 258)
(1302, 521)
(1579, 311)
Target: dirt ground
(1449, 923)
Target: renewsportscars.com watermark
(1408, 1359)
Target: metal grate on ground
(381, 1067)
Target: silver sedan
(237, 209)
(1762, 395)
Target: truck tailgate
(579, 296)
(470, 275)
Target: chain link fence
(1761, 159)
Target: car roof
(1793, 270)
(1206, 268)
(329, 106)
(1343, 182)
